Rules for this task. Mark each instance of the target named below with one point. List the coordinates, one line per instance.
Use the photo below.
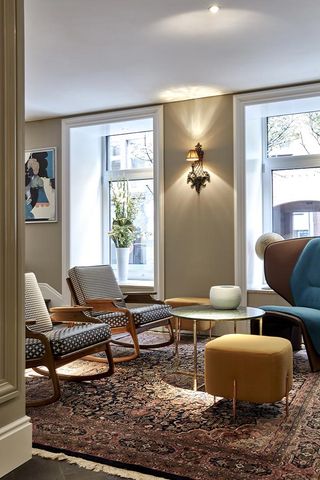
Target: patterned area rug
(145, 418)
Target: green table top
(207, 312)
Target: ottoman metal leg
(234, 400)
(287, 396)
(250, 368)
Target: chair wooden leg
(133, 333)
(131, 329)
(124, 358)
(152, 345)
(82, 378)
(52, 374)
(163, 344)
(109, 356)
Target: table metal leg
(177, 339)
(260, 325)
(234, 326)
(194, 372)
(210, 331)
(195, 356)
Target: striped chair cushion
(96, 281)
(35, 307)
(68, 339)
(150, 313)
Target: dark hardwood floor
(42, 469)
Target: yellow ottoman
(202, 325)
(253, 368)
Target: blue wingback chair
(292, 269)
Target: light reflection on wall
(189, 92)
(228, 21)
(198, 119)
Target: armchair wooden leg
(110, 360)
(80, 378)
(163, 344)
(148, 346)
(52, 374)
(133, 333)
(131, 329)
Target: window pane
(141, 262)
(297, 134)
(296, 202)
(131, 150)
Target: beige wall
(257, 298)
(199, 229)
(43, 241)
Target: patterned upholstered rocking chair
(97, 287)
(292, 269)
(52, 348)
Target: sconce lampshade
(197, 176)
(192, 156)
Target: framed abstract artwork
(40, 185)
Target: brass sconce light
(197, 177)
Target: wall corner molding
(15, 427)
(18, 432)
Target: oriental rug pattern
(145, 419)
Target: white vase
(123, 263)
(225, 297)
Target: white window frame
(244, 246)
(271, 164)
(117, 175)
(154, 112)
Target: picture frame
(40, 185)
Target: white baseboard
(15, 444)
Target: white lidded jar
(225, 297)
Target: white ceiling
(93, 55)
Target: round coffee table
(196, 313)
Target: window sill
(137, 286)
(261, 290)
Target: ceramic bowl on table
(225, 297)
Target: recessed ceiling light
(214, 9)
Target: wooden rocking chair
(52, 348)
(97, 287)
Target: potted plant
(123, 231)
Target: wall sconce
(197, 177)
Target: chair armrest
(105, 305)
(67, 308)
(141, 297)
(30, 322)
(68, 314)
(33, 334)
